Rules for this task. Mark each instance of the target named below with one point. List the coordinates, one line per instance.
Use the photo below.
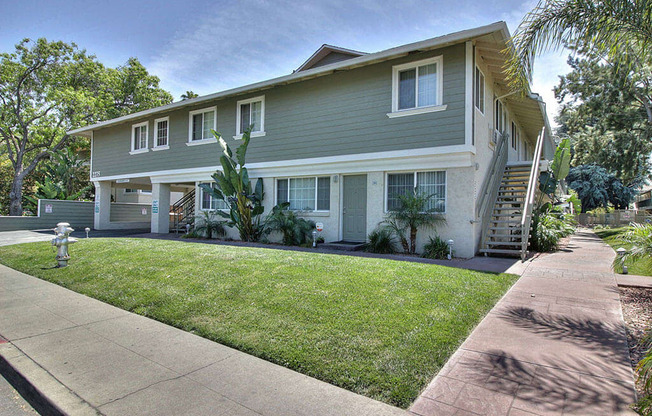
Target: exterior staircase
(504, 233)
(183, 212)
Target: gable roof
(324, 51)
(497, 30)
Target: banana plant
(559, 169)
(234, 188)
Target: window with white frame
(432, 184)
(479, 90)
(514, 135)
(305, 194)
(201, 124)
(417, 85)
(500, 118)
(210, 202)
(139, 137)
(251, 114)
(161, 132)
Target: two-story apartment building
(340, 137)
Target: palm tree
(413, 214)
(620, 30)
(188, 95)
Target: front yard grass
(377, 327)
(641, 267)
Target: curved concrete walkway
(555, 344)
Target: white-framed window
(305, 194)
(417, 87)
(514, 134)
(500, 117)
(130, 191)
(479, 90)
(250, 113)
(210, 203)
(139, 134)
(431, 183)
(200, 124)
(161, 133)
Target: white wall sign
(319, 226)
(48, 208)
(144, 211)
(154, 206)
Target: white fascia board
(433, 157)
(363, 60)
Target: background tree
(188, 95)
(598, 188)
(48, 88)
(620, 30)
(604, 118)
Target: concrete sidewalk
(555, 344)
(88, 357)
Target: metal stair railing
(528, 205)
(183, 210)
(491, 185)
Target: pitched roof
(498, 29)
(324, 51)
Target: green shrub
(209, 226)
(644, 374)
(436, 248)
(549, 225)
(381, 241)
(295, 230)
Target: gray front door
(354, 208)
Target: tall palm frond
(619, 29)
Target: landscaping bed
(611, 236)
(637, 311)
(377, 327)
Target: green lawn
(641, 267)
(377, 327)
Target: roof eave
(433, 43)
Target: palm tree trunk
(413, 240)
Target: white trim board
(445, 156)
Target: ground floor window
(428, 183)
(209, 202)
(304, 194)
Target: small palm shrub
(549, 226)
(209, 226)
(436, 248)
(381, 241)
(295, 230)
(644, 371)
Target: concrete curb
(630, 280)
(43, 391)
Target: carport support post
(160, 208)
(102, 208)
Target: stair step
(505, 221)
(501, 251)
(505, 228)
(503, 243)
(506, 209)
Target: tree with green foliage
(549, 180)
(598, 188)
(233, 186)
(619, 30)
(188, 95)
(48, 88)
(413, 213)
(602, 114)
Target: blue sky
(208, 46)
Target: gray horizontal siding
(126, 212)
(78, 214)
(340, 114)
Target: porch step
(343, 246)
(504, 243)
(516, 253)
(503, 228)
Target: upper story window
(305, 194)
(431, 183)
(251, 114)
(161, 133)
(139, 134)
(514, 135)
(500, 117)
(209, 202)
(201, 123)
(479, 90)
(417, 87)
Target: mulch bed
(637, 311)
